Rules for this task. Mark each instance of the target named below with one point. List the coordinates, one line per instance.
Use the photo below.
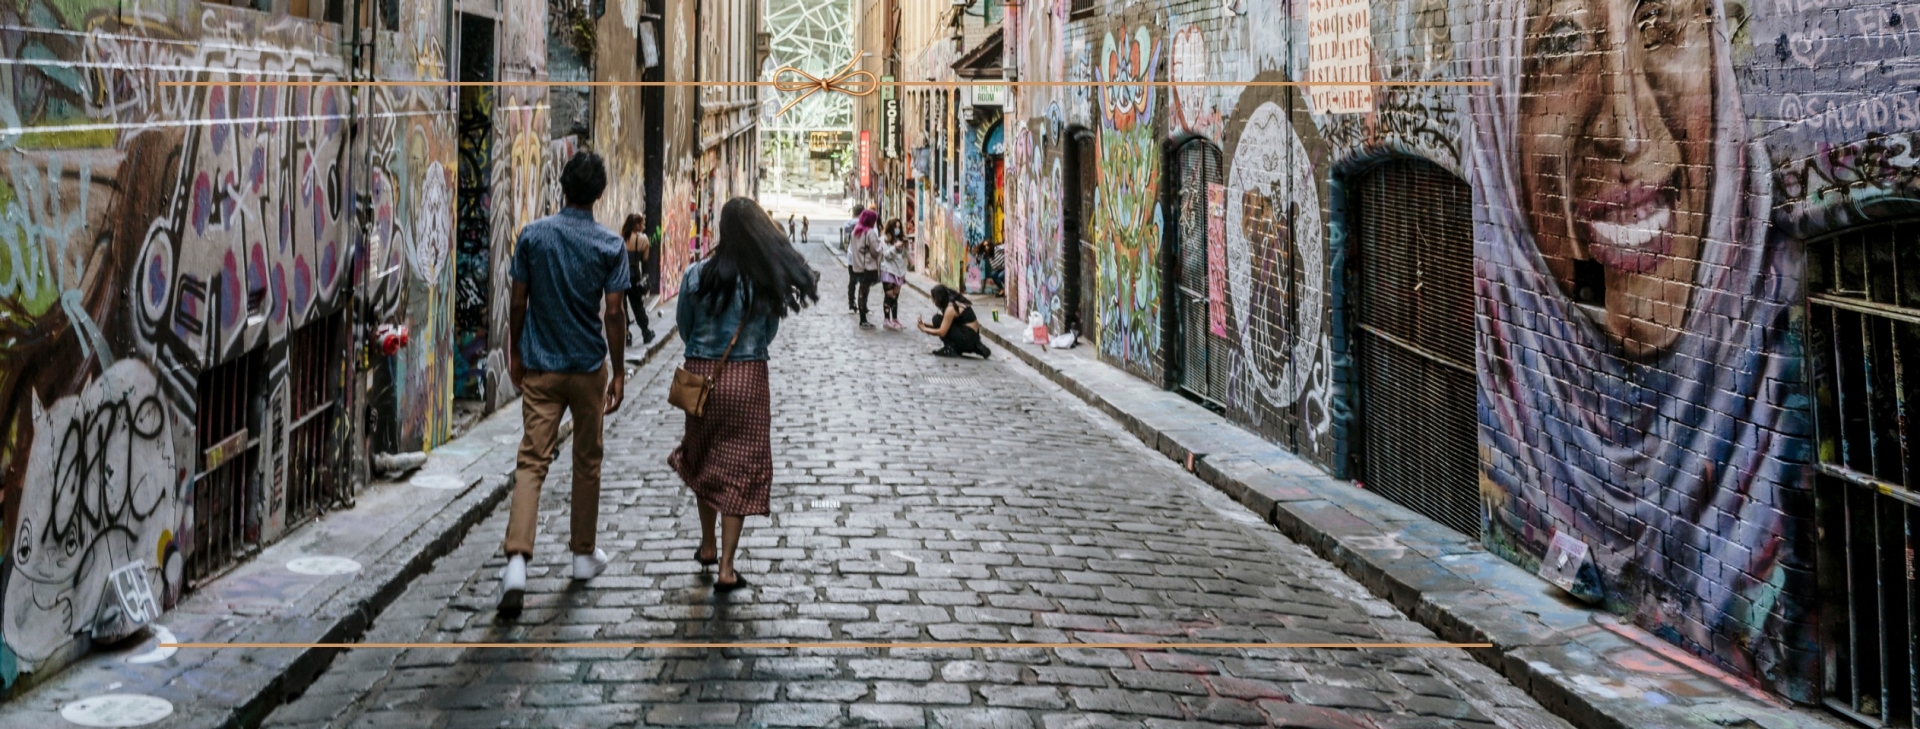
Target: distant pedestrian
(846, 250)
(893, 272)
(730, 309)
(639, 246)
(863, 260)
(805, 235)
(955, 325)
(791, 228)
(565, 319)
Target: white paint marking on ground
(323, 566)
(116, 710)
(442, 482)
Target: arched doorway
(1078, 262)
(1201, 359)
(1413, 340)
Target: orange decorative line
(837, 646)
(816, 83)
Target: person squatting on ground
(864, 252)
(638, 247)
(567, 323)
(730, 309)
(955, 325)
(846, 243)
(893, 272)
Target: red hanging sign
(866, 159)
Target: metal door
(1078, 261)
(1863, 335)
(1414, 341)
(1202, 358)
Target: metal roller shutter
(1414, 341)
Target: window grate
(224, 483)
(1863, 327)
(1414, 342)
(314, 374)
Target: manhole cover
(324, 566)
(117, 710)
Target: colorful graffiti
(1127, 216)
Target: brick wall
(1639, 245)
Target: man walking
(569, 275)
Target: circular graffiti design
(1271, 167)
(433, 228)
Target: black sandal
(707, 561)
(739, 581)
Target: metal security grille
(226, 470)
(1203, 357)
(1414, 341)
(1079, 264)
(1863, 326)
(315, 359)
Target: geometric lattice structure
(816, 37)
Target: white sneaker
(513, 585)
(586, 566)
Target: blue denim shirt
(707, 335)
(569, 264)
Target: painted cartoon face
(1616, 131)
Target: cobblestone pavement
(916, 499)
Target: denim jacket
(707, 335)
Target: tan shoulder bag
(689, 391)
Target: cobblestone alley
(917, 499)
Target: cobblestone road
(916, 499)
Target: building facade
(1635, 300)
(220, 305)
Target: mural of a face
(1615, 135)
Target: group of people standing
(875, 259)
(568, 272)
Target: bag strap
(736, 338)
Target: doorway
(473, 253)
(1413, 341)
(1863, 334)
(1079, 263)
(1202, 360)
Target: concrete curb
(1586, 666)
(240, 688)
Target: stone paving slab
(1584, 665)
(394, 530)
(915, 499)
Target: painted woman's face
(1616, 133)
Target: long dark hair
(942, 296)
(753, 250)
(632, 225)
(894, 229)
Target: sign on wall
(1217, 259)
(890, 128)
(866, 158)
(994, 95)
(1340, 48)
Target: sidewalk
(394, 533)
(1587, 666)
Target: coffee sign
(890, 128)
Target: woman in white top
(893, 272)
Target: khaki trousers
(544, 397)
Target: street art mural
(1127, 215)
(1670, 397)
(150, 233)
(1640, 362)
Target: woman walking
(863, 260)
(731, 304)
(955, 325)
(893, 272)
(638, 247)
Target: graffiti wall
(1640, 239)
(151, 236)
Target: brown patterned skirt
(726, 456)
